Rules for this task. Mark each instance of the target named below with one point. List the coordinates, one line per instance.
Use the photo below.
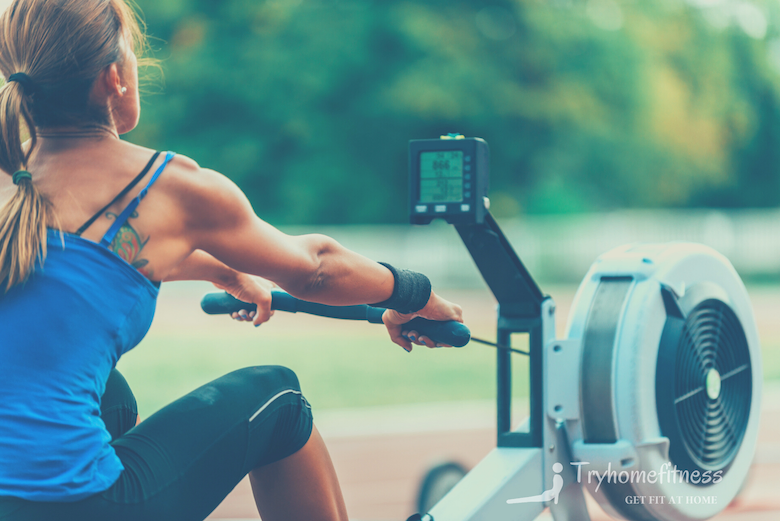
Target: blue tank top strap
(128, 211)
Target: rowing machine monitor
(448, 179)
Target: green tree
(308, 104)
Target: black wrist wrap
(410, 293)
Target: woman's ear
(109, 81)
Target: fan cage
(711, 385)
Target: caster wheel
(437, 482)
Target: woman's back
(63, 332)
(80, 175)
(98, 306)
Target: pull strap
(128, 211)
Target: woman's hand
(436, 309)
(250, 288)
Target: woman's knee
(270, 377)
(281, 420)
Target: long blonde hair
(60, 47)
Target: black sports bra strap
(120, 195)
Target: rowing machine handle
(450, 332)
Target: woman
(89, 226)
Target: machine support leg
(571, 501)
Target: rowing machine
(651, 401)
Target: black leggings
(182, 461)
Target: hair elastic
(24, 80)
(21, 174)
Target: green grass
(334, 371)
(770, 359)
(339, 364)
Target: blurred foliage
(587, 105)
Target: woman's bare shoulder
(198, 190)
(185, 165)
(186, 174)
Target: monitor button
(465, 207)
(421, 208)
(440, 208)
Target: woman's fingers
(395, 323)
(243, 315)
(422, 340)
(264, 316)
(256, 290)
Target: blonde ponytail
(24, 218)
(23, 223)
(51, 51)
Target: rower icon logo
(547, 495)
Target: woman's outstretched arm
(219, 220)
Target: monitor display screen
(441, 176)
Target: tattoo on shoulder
(128, 244)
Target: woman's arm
(219, 219)
(202, 266)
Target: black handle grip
(450, 332)
(224, 304)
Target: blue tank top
(62, 333)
